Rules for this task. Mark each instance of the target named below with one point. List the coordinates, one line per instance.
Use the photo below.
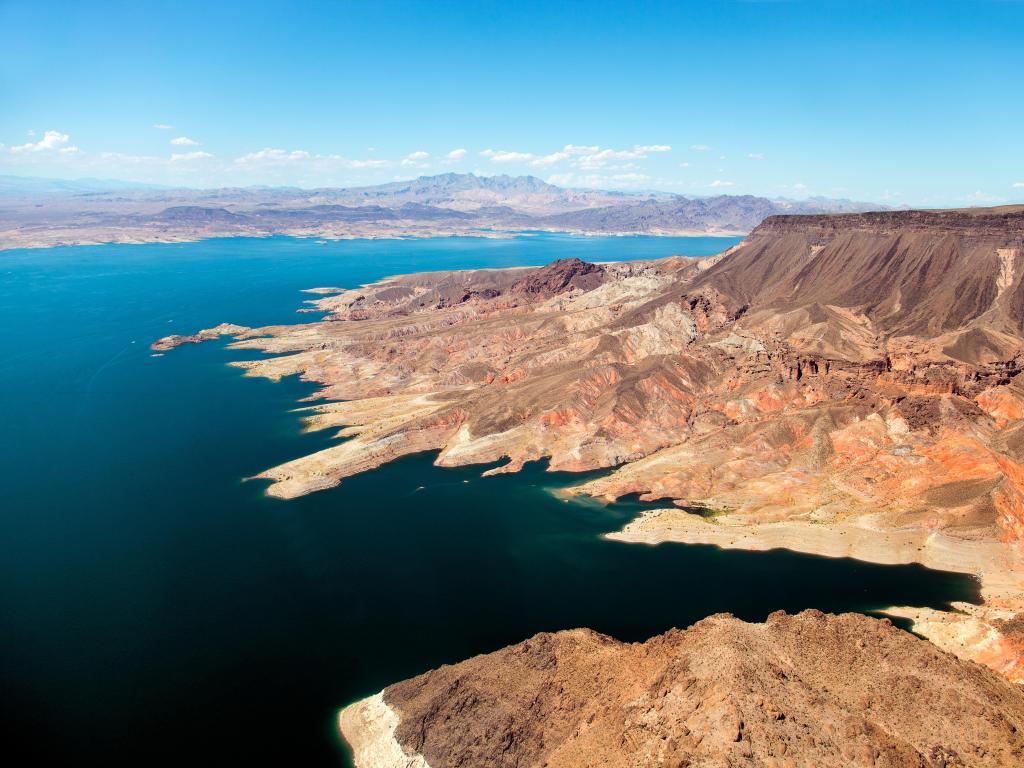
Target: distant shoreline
(493, 234)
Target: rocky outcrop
(993, 221)
(560, 276)
(804, 690)
(207, 334)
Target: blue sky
(908, 103)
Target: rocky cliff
(906, 273)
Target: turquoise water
(157, 610)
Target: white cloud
(120, 157)
(684, 165)
(299, 160)
(630, 178)
(507, 156)
(600, 181)
(163, 127)
(1018, 184)
(580, 165)
(187, 156)
(718, 183)
(755, 156)
(584, 157)
(607, 157)
(595, 157)
(266, 166)
(799, 188)
(503, 156)
(116, 163)
(272, 156)
(416, 159)
(551, 159)
(982, 197)
(700, 147)
(51, 140)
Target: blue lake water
(157, 610)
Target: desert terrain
(842, 385)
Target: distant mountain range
(39, 212)
(40, 185)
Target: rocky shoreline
(979, 633)
(843, 386)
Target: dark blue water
(157, 610)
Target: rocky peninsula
(842, 385)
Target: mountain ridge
(442, 205)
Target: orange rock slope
(844, 385)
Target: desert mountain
(920, 273)
(448, 204)
(730, 213)
(805, 690)
(38, 186)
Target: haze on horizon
(867, 101)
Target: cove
(158, 609)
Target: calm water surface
(156, 609)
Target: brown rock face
(560, 276)
(806, 690)
(907, 272)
